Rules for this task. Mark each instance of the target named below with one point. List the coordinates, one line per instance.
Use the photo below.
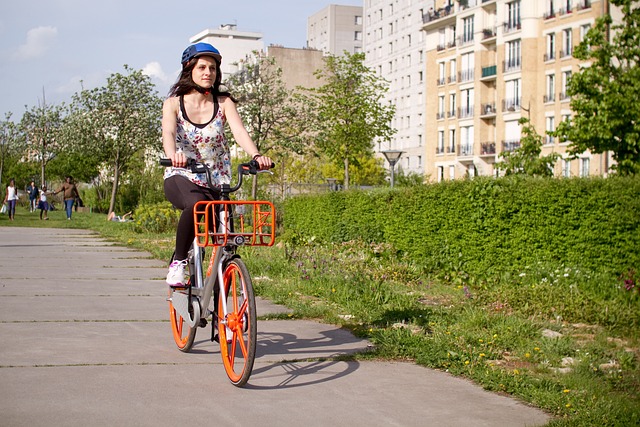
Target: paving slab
(89, 343)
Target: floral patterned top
(206, 143)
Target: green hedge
(485, 225)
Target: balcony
(551, 56)
(511, 105)
(465, 150)
(566, 53)
(465, 39)
(564, 96)
(510, 27)
(451, 114)
(440, 81)
(440, 150)
(465, 112)
(490, 72)
(550, 14)
(551, 97)
(510, 145)
(488, 110)
(465, 75)
(584, 4)
(512, 64)
(440, 116)
(488, 149)
(563, 11)
(452, 78)
(435, 15)
(489, 33)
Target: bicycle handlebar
(250, 168)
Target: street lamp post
(392, 157)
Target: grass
(550, 337)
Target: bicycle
(222, 289)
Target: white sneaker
(176, 276)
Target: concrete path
(85, 341)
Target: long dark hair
(185, 83)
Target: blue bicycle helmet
(200, 49)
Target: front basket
(253, 223)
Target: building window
(513, 94)
(358, 36)
(513, 55)
(466, 141)
(440, 107)
(441, 68)
(452, 71)
(566, 76)
(551, 126)
(466, 103)
(452, 172)
(467, 33)
(358, 20)
(551, 88)
(584, 29)
(566, 168)
(584, 167)
(513, 16)
(452, 141)
(551, 47)
(567, 45)
(440, 173)
(452, 105)
(467, 65)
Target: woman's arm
(169, 129)
(240, 134)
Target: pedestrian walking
(43, 205)
(70, 193)
(33, 192)
(11, 198)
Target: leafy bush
(156, 218)
(487, 227)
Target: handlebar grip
(165, 162)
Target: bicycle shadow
(286, 360)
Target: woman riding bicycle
(193, 119)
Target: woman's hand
(264, 162)
(178, 159)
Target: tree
(10, 141)
(526, 159)
(348, 110)
(273, 118)
(41, 126)
(604, 93)
(117, 122)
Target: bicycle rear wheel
(238, 338)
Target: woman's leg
(68, 206)
(183, 194)
(11, 208)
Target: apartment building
(336, 29)
(395, 49)
(234, 45)
(492, 62)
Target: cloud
(154, 70)
(38, 41)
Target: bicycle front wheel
(238, 330)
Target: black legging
(184, 194)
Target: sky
(51, 49)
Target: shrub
(156, 218)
